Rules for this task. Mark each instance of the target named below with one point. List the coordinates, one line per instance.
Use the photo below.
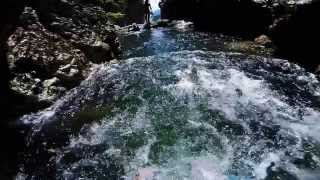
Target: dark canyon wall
(135, 12)
(297, 35)
(230, 16)
(293, 27)
(9, 15)
(47, 46)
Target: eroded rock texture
(54, 41)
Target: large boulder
(36, 55)
(98, 52)
(244, 17)
(56, 39)
(50, 49)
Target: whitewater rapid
(186, 115)
(179, 106)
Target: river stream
(178, 106)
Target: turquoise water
(178, 106)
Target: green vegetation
(115, 18)
(115, 10)
(113, 5)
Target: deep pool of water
(179, 106)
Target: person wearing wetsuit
(147, 11)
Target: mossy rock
(113, 5)
(249, 47)
(116, 18)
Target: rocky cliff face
(292, 25)
(297, 33)
(9, 14)
(243, 17)
(135, 12)
(48, 47)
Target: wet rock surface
(229, 16)
(57, 40)
(291, 25)
(9, 14)
(296, 34)
(47, 48)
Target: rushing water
(179, 108)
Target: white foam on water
(98, 133)
(139, 162)
(94, 135)
(287, 1)
(46, 115)
(185, 84)
(308, 126)
(183, 25)
(228, 90)
(260, 169)
(187, 168)
(206, 170)
(181, 164)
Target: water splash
(184, 115)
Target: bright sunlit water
(180, 107)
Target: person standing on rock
(147, 11)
